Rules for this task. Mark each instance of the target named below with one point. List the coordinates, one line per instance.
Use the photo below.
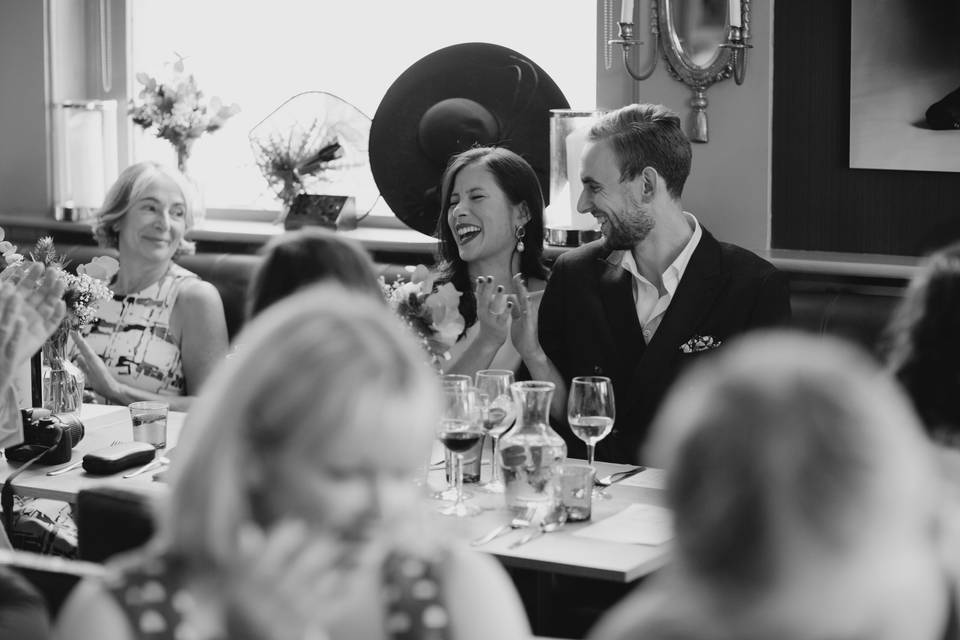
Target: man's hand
(11, 333)
(42, 309)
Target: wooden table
(104, 425)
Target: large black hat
(448, 101)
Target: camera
(41, 430)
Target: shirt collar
(674, 272)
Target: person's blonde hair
(128, 188)
(310, 369)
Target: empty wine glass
(498, 415)
(591, 412)
(459, 429)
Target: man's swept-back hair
(647, 135)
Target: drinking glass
(499, 412)
(459, 429)
(456, 381)
(149, 420)
(591, 412)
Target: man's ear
(649, 184)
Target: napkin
(637, 524)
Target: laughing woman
(164, 329)
(491, 231)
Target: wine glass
(591, 412)
(455, 381)
(459, 429)
(498, 415)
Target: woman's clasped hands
(502, 314)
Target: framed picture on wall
(905, 85)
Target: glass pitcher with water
(532, 455)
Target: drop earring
(521, 233)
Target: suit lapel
(616, 294)
(696, 294)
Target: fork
(74, 465)
(518, 522)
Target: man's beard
(629, 230)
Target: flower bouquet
(314, 146)
(62, 380)
(433, 316)
(175, 110)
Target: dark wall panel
(818, 202)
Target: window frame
(613, 89)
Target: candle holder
(729, 61)
(627, 41)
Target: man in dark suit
(657, 292)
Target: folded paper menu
(637, 524)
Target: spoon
(606, 481)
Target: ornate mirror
(702, 42)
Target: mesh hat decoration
(448, 101)
(316, 143)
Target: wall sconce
(85, 156)
(680, 30)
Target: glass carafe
(532, 454)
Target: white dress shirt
(650, 304)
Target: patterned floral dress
(132, 334)
(150, 592)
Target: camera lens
(72, 428)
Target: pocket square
(700, 343)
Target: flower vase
(62, 380)
(183, 155)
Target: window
(260, 54)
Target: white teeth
(466, 230)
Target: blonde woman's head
(129, 189)
(323, 415)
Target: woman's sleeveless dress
(155, 604)
(132, 334)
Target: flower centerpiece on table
(433, 315)
(62, 380)
(175, 110)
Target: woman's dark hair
(923, 342)
(303, 257)
(518, 181)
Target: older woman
(293, 505)
(164, 329)
(491, 240)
